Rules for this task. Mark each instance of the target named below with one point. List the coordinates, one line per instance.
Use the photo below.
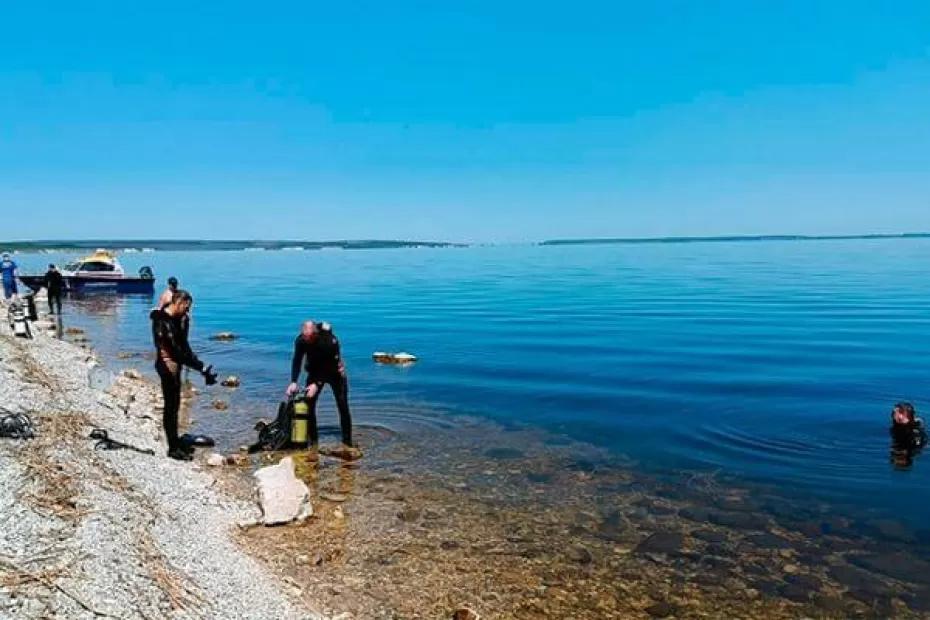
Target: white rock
(216, 460)
(282, 497)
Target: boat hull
(90, 284)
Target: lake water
(773, 362)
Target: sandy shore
(100, 534)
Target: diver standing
(173, 352)
(319, 347)
(9, 271)
(54, 283)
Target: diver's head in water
(173, 283)
(308, 330)
(903, 414)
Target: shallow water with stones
(740, 387)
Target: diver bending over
(320, 348)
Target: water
(774, 362)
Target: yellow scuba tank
(300, 421)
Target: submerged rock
(132, 373)
(220, 405)
(282, 497)
(661, 609)
(918, 601)
(346, 453)
(897, 565)
(224, 336)
(503, 454)
(769, 541)
(232, 381)
(738, 520)
(579, 554)
(711, 536)
(695, 513)
(858, 581)
(662, 542)
(891, 530)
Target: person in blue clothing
(8, 269)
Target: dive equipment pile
(16, 426)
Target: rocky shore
(88, 533)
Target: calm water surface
(775, 362)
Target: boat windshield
(71, 266)
(96, 266)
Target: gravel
(90, 534)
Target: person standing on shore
(9, 271)
(54, 284)
(173, 352)
(318, 346)
(165, 300)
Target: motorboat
(100, 271)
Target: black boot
(179, 454)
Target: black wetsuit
(907, 440)
(173, 352)
(54, 284)
(323, 357)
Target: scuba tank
(17, 317)
(300, 422)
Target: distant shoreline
(732, 238)
(162, 245)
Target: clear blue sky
(487, 122)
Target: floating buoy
(393, 358)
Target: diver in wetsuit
(320, 348)
(908, 435)
(173, 352)
(54, 283)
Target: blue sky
(488, 121)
